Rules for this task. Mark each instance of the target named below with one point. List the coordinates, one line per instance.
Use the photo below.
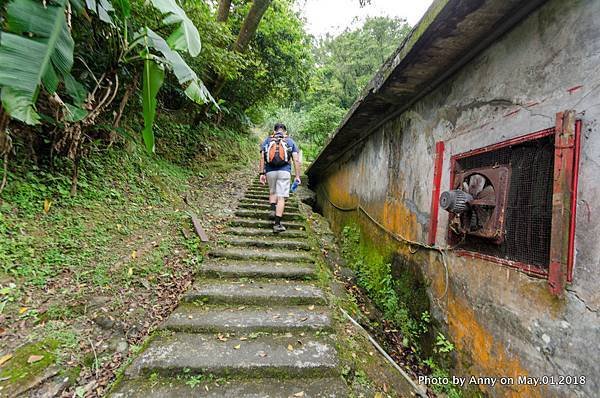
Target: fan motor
(455, 201)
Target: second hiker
(276, 155)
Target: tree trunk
(247, 32)
(5, 146)
(223, 11)
(117, 120)
(250, 25)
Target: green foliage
(8, 293)
(186, 36)
(152, 81)
(294, 119)
(323, 117)
(343, 65)
(193, 146)
(59, 312)
(194, 380)
(442, 345)
(37, 48)
(375, 276)
(120, 43)
(322, 121)
(449, 390)
(217, 39)
(72, 234)
(187, 78)
(117, 190)
(347, 62)
(277, 65)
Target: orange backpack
(278, 151)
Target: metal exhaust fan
(477, 202)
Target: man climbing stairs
(255, 324)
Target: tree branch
(5, 145)
(250, 25)
(223, 11)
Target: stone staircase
(255, 320)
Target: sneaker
(272, 215)
(277, 228)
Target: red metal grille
(529, 207)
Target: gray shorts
(279, 183)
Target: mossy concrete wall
(503, 322)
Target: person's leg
(272, 180)
(279, 209)
(280, 206)
(283, 192)
(273, 204)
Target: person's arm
(261, 163)
(297, 166)
(261, 168)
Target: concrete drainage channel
(255, 321)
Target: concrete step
(332, 387)
(241, 231)
(257, 193)
(254, 205)
(263, 356)
(264, 214)
(257, 269)
(251, 254)
(265, 203)
(253, 196)
(258, 190)
(276, 242)
(258, 223)
(242, 320)
(256, 293)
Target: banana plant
(184, 38)
(37, 51)
(159, 55)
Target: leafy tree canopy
(343, 65)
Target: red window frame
(567, 145)
(435, 193)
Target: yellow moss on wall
(398, 219)
(392, 214)
(486, 356)
(337, 188)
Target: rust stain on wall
(398, 219)
(391, 213)
(487, 356)
(337, 189)
(434, 269)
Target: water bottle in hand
(294, 186)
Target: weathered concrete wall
(503, 322)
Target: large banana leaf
(124, 7)
(44, 55)
(186, 36)
(153, 77)
(102, 8)
(194, 88)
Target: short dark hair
(279, 126)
